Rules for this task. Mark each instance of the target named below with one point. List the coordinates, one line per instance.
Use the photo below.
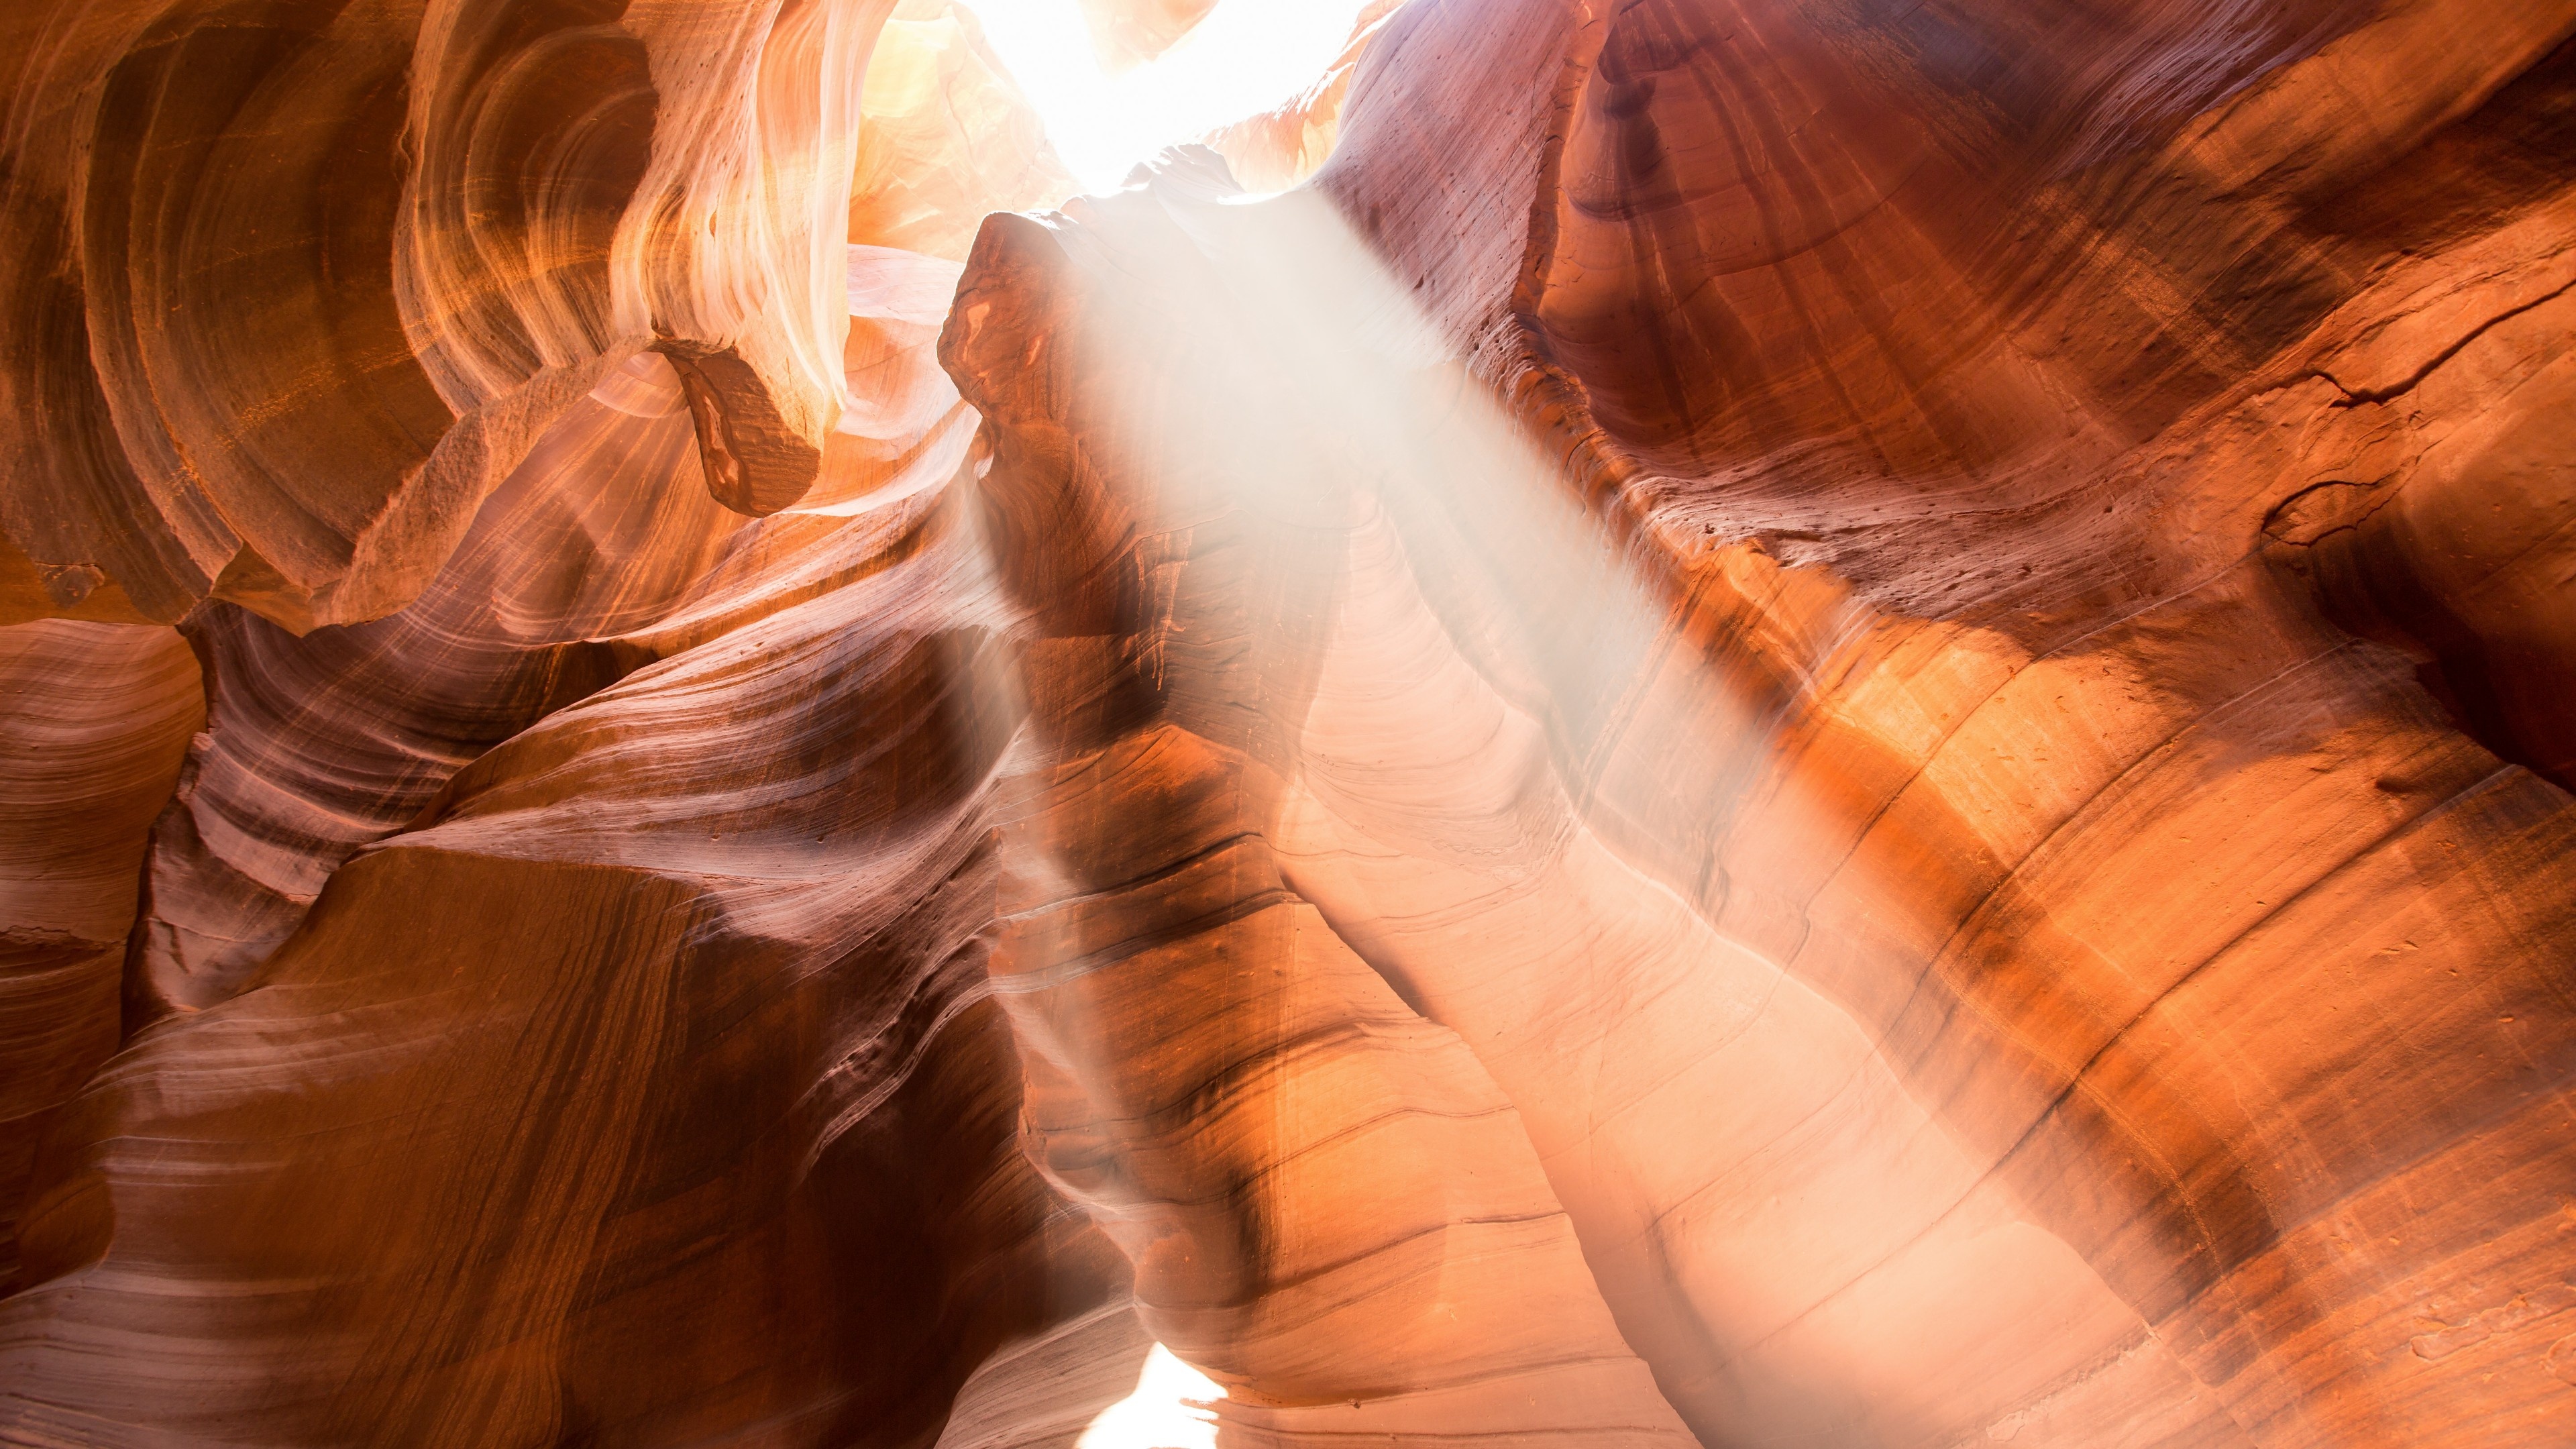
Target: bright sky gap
(1246, 57)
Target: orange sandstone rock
(93, 718)
(944, 137)
(1821, 723)
(299, 286)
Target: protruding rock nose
(755, 461)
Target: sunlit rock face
(1779, 724)
(1284, 145)
(2096, 473)
(1128, 33)
(944, 137)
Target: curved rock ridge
(648, 1088)
(2009, 438)
(300, 285)
(93, 721)
(666, 1292)
(636, 1080)
(591, 560)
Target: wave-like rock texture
(2058, 871)
(479, 1088)
(635, 1093)
(1825, 723)
(296, 286)
(2116, 480)
(643, 1084)
(93, 721)
(603, 551)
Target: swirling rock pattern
(579, 569)
(301, 284)
(509, 1213)
(1833, 723)
(1989, 431)
(93, 720)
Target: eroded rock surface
(1781, 723)
(93, 720)
(298, 285)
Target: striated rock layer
(1810, 723)
(1972, 432)
(298, 285)
(93, 721)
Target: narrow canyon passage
(1199, 724)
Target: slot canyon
(1667, 724)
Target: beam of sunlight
(1493, 738)
(1244, 58)
(1173, 1407)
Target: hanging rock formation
(1826, 723)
